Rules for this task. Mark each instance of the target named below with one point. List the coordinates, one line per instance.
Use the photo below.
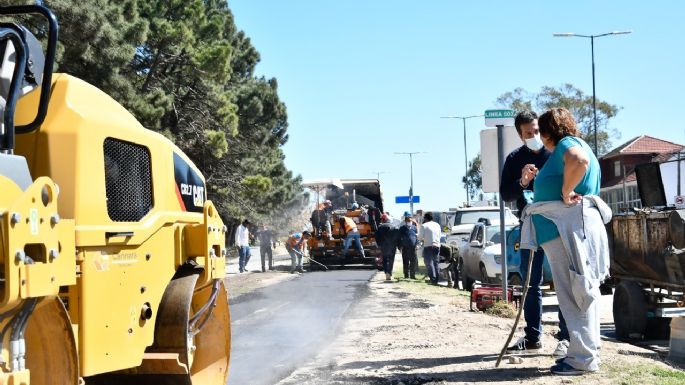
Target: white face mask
(534, 143)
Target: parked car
(464, 219)
(480, 257)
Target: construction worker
(408, 242)
(351, 234)
(265, 246)
(295, 247)
(387, 237)
(321, 219)
(242, 241)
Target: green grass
(644, 374)
(419, 286)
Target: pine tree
(185, 70)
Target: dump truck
(359, 199)
(647, 248)
(111, 257)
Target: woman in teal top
(550, 179)
(571, 172)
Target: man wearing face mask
(516, 184)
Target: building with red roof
(619, 185)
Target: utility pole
(378, 174)
(592, 50)
(466, 159)
(411, 177)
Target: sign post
(500, 119)
(407, 199)
(679, 201)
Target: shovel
(311, 259)
(518, 316)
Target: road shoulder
(412, 333)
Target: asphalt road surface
(279, 327)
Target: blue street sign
(405, 199)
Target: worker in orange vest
(351, 234)
(295, 247)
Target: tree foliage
(574, 100)
(184, 69)
(473, 180)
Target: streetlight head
(564, 34)
(621, 32)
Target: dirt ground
(410, 333)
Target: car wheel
(466, 281)
(630, 311)
(458, 271)
(484, 274)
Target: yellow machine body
(329, 250)
(108, 272)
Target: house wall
(609, 178)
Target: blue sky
(364, 79)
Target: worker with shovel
(295, 247)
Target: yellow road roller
(111, 258)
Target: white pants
(583, 326)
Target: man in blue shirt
(408, 241)
(516, 184)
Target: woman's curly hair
(557, 123)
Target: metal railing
(623, 206)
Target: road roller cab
(111, 256)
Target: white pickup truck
(466, 217)
(460, 229)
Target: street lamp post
(592, 49)
(466, 160)
(411, 177)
